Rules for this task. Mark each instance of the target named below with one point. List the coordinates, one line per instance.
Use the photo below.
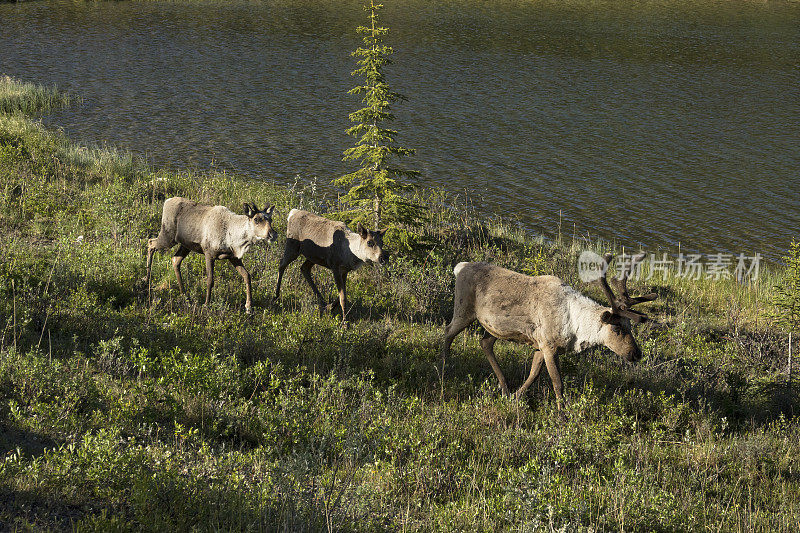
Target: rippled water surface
(650, 124)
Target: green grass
(121, 414)
(21, 97)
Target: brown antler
(604, 284)
(622, 285)
(622, 305)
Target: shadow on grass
(29, 443)
(31, 511)
(722, 391)
(160, 502)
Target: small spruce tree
(375, 196)
(786, 296)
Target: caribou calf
(216, 232)
(544, 312)
(331, 244)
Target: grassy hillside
(121, 414)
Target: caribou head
(617, 322)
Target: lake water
(651, 124)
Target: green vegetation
(786, 299)
(375, 194)
(17, 96)
(785, 309)
(120, 415)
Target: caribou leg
(177, 259)
(487, 343)
(306, 270)
(536, 367)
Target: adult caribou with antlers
(544, 312)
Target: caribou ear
(248, 210)
(606, 317)
(362, 231)
(269, 210)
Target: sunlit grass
(29, 98)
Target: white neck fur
(357, 247)
(584, 325)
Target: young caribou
(544, 312)
(331, 244)
(216, 232)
